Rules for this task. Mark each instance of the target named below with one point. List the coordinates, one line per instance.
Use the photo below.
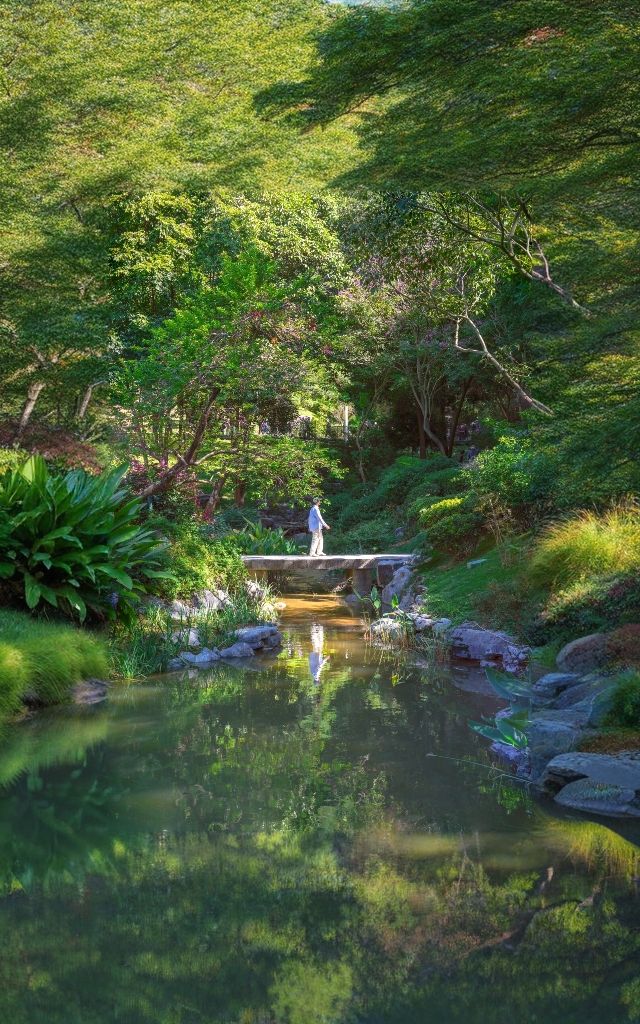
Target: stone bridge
(364, 570)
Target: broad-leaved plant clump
(74, 541)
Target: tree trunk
(33, 394)
(213, 500)
(456, 418)
(422, 437)
(239, 493)
(166, 479)
(84, 402)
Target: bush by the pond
(197, 560)
(73, 541)
(624, 710)
(255, 539)
(515, 472)
(44, 660)
(453, 524)
(408, 475)
(587, 545)
(144, 646)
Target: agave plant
(73, 540)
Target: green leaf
(116, 574)
(32, 590)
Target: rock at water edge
(584, 654)
(238, 650)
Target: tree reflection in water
(268, 847)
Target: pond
(315, 839)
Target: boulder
(614, 769)
(260, 637)
(441, 626)
(210, 600)
(238, 650)
(550, 734)
(600, 798)
(488, 646)
(398, 585)
(408, 601)
(584, 654)
(175, 665)
(387, 629)
(179, 610)
(189, 637)
(90, 691)
(607, 784)
(553, 683)
(203, 659)
(420, 622)
(511, 757)
(592, 695)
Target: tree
(204, 381)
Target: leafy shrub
(588, 545)
(590, 605)
(373, 535)
(392, 488)
(506, 604)
(515, 472)
(623, 646)
(44, 660)
(624, 710)
(442, 483)
(198, 560)
(256, 539)
(73, 542)
(453, 524)
(12, 458)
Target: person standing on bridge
(316, 526)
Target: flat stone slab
(599, 798)
(284, 563)
(621, 770)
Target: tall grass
(145, 646)
(43, 660)
(588, 545)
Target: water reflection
(317, 659)
(268, 846)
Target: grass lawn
(454, 588)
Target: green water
(280, 844)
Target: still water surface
(305, 841)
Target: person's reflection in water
(317, 661)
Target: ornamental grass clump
(588, 545)
(42, 660)
(73, 541)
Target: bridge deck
(284, 563)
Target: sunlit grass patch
(44, 660)
(588, 545)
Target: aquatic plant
(509, 729)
